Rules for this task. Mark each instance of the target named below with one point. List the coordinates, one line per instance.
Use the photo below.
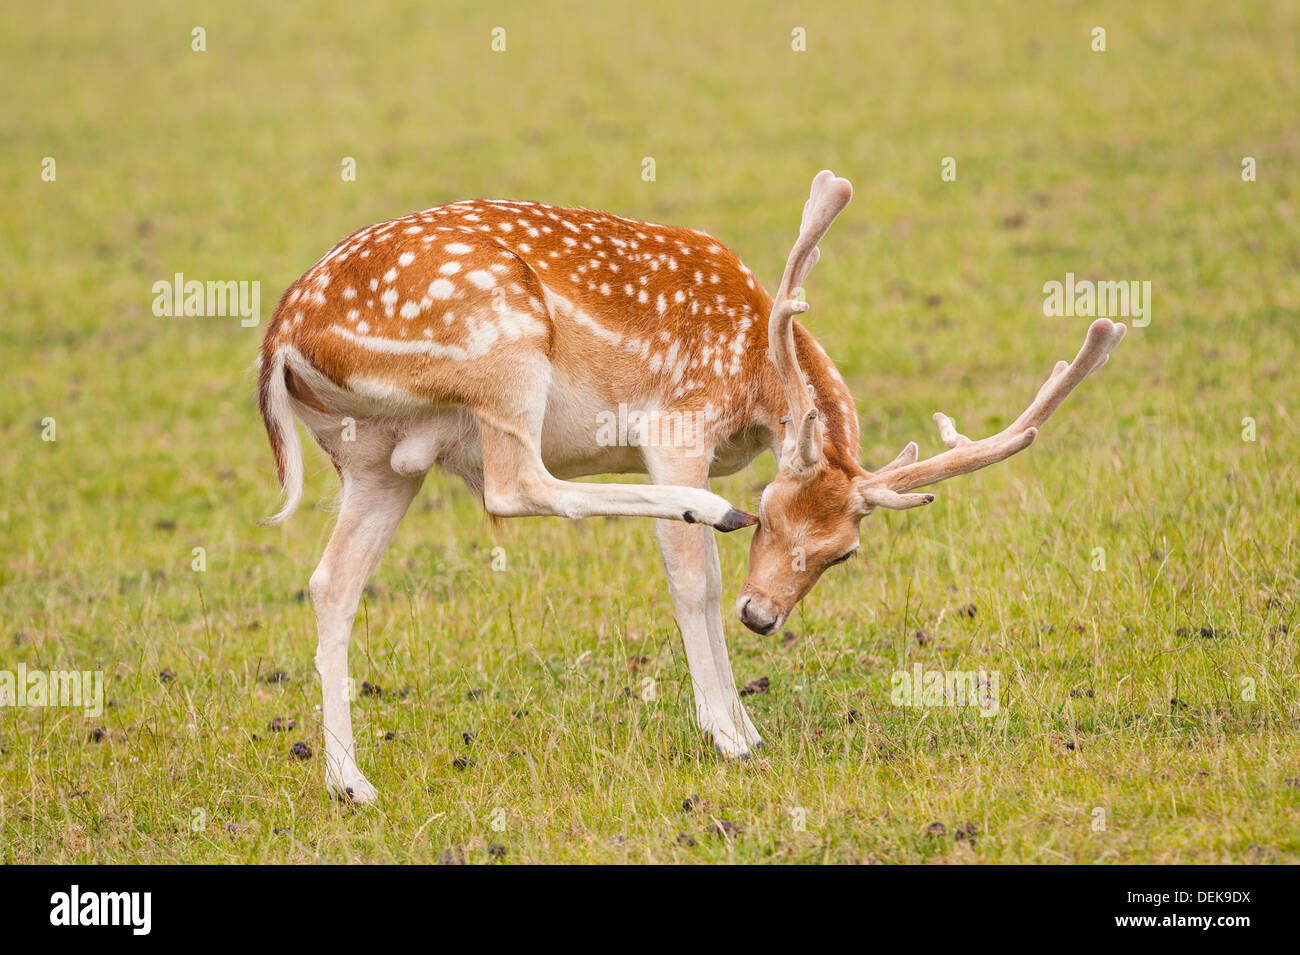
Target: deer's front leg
(690, 556)
(695, 583)
(718, 642)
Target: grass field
(1149, 712)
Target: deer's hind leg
(375, 498)
(516, 482)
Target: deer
(489, 338)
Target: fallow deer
(491, 337)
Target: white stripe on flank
(480, 336)
(394, 346)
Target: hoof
(734, 520)
(358, 793)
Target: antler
(887, 487)
(829, 195)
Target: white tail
(277, 415)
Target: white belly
(582, 434)
(577, 436)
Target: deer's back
(449, 303)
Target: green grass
(225, 164)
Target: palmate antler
(828, 197)
(888, 487)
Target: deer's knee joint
(522, 495)
(327, 596)
(689, 591)
(318, 587)
(501, 502)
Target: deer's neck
(831, 395)
(835, 405)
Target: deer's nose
(757, 618)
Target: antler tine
(907, 456)
(1103, 335)
(905, 473)
(828, 196)
(948, 431)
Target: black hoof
(733, 520)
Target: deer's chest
(586, 431)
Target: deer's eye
(848, 555)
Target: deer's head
(810, 513)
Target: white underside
(417, 436)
